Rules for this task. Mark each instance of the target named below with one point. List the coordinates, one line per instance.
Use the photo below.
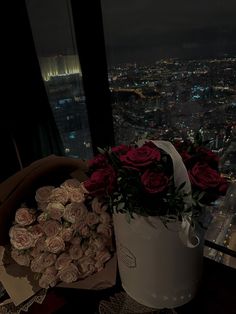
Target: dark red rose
(223, 187)
(150, 144)
(154, 182)
(121, 149)
(206, 155)
(140, 157)
(204, 177)
(98, 161)
(101, 182)
(185, 156)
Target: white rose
(86, 266)
(76, 196)
(105, 230)
(55, 244)
(59, 195)
(105, 218)
(24, 216)
(21, 238)
(63, 261)
(67, 234)
(103, 256)
(51, 228)
(47, 280)
(92, 219)
(69, 274)
(75, 252)
(70, 184)
(20, 257)
(98, 206)
(43, 193)
(55, 210)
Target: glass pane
(53, 33)
(172, 72)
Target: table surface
(216, 295)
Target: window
(53, 32)
(172, 72)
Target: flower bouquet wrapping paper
(53, 233)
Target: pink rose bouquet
(67, 236)
(140, 179)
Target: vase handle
(188, 234)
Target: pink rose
(76, 196)
(24, 216)
(51, 228)
(98, 206)
(86, 266)
(20, 257)
(92, 219)
(99, 266)
(55, 244)
(47, 280)
(105, 230)
(55, 210)
(21, 238)
(98, 243)
(90, 252)
(49, 259)
(59, 195)
(42, 206)
(103, 256)
(76, 241)
(42, 261)
(154, 182)
(63, 261)
(43, 193)
(105, 218)
(37, 264)
(42, 218)
(72, 210)
(69, 274)
(36, 231)
(40, 247)
(67, 234)
(83, 229)
(75, 252)
(70, 184)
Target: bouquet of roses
(140, 179)
(65, 237)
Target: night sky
(144, 30)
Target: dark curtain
(26, 119)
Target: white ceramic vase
(156, 267)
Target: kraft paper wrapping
(19, 281)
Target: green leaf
(101, 151)
(121, 206)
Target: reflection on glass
(166, 85)
(53, 33)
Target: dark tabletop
(216, 295)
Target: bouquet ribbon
(187, 233)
